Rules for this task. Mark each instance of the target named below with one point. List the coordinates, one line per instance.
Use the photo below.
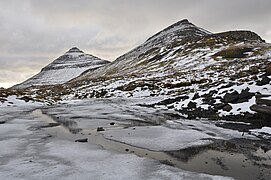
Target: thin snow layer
(64, 68)
(264, 132)
(177, 135)
(239, 107)
(56, 76)
(14, 100)
(31, 154)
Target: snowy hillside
(200, 74)
(192, 70)
(66, 67)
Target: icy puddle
(205, 148)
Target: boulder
(192, 105)
(265, 80)
(245, 95)
(260, 101)
(227, 108)
(231, 97)
(261, 109)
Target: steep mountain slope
(64, 68)
(152, 51)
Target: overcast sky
(35, 32)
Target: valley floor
(118, 139)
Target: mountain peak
(74, 50)
(181, 28)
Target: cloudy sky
(35, 32)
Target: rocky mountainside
(66, 67)
(147, 57)
(188, 69)
(198, 73)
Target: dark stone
(192, 105)
(196, 96)
(265, 80)
(219, 106)
(26, 98)
(268, 70)
(82, 140)
(231, 97)
(212, 92)
(126, 150)
(261, 109)
(260, 101)
(245, 95)
(173, 100)
(227, 108)
(112, 123)
(2, 122)
(100, 129)
(253, 70)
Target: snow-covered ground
(30, 153)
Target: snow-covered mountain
(200, 74)
(146, 57)
(66, 67)
(196, 72)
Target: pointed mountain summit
(154, 48)
(181, 47)
(66, 67)
(180, 29)
(74, 50)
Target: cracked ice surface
(32, 154)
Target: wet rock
(231, 97)
(82, 140)
(227, 108)
(100, 129)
